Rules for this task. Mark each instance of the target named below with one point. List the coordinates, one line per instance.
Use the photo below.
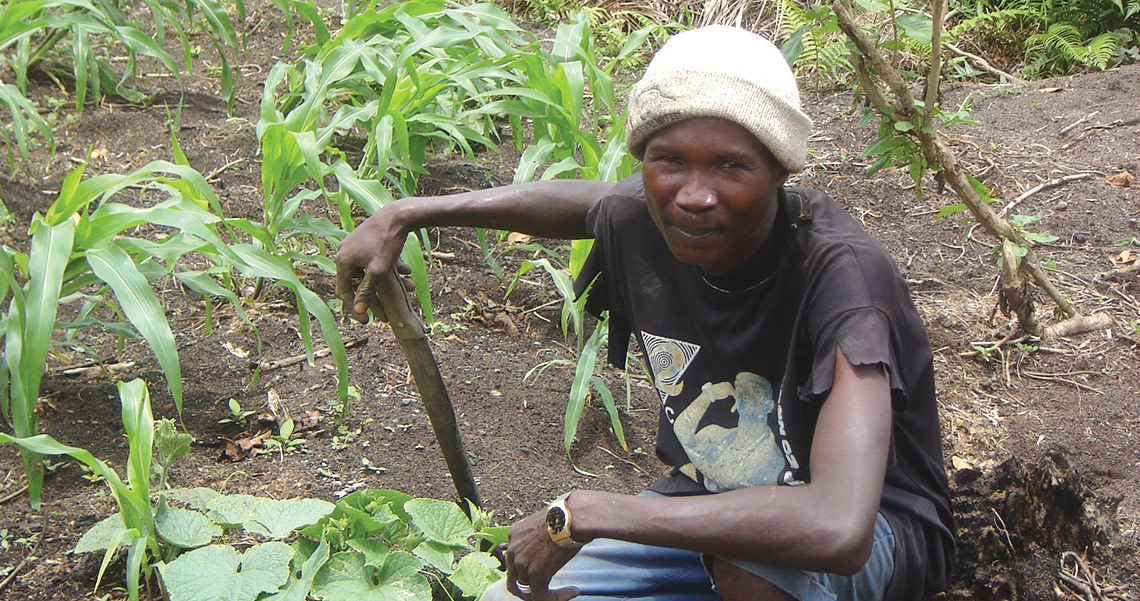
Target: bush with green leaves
(370, 544)
(1055, 36)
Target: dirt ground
(1042, 438)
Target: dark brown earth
(1042, 440)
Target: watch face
(555, 519)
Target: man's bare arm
(551, 209)
(826, 525)
(822, 526)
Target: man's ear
(783, 176)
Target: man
(795, 377)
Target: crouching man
(795, 377)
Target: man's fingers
(345, 278)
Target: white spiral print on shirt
(668, 358)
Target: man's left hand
(532, 560)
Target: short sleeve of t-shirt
(864, 336)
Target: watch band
(558, 523)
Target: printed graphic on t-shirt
(723, 456)
(731, 458)
(669, 359)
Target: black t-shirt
(742, 363)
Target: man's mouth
(695, 231)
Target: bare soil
(1042, 439)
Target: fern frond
(1003, 20)
(1100, 50)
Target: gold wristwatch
(558, 523)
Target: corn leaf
(138, 302)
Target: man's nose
(696, 195)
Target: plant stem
(936, 152)
(932, 80)
(49, 42)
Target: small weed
(9, 540)
(376, 469)
(1027, 349)
(90, 475)
(986, 352)
(237, 415)
(283, 442)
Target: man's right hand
(368, 254)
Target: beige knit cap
(727, 72)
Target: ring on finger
(523, 588)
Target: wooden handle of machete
(409, 330)
(406, 325)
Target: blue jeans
(611, 570)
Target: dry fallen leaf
(960, 463)
(274, 409)
(236, 450)
(1121, 179)
(309, 421)
(517, 238)
(1050, 90)
(1126, 257)
(236, 351)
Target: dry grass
(749, 14)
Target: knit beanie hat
(726, 72)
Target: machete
(409, 330)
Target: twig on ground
(213, 175)
(984, 64)
(271, 365)
(1080, 577)
(1065, 130)
(31, 554)
(1045, 186)
(1047, 377)
(96, 369)
(1004, 529)
(14, 494)
(995, 346)
(623, 460)
(1121, 273)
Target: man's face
(709, 184)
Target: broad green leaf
(196, 498)
(278, 519)
(375, 551)
(950, 209)
(436, 555)
(170, 442)
(232, 510)
(107, 532)
(347, 578)
(299, 585)
(220, 573)
(476, 572)
(441, 521)
(917, 26)
(185, 528)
